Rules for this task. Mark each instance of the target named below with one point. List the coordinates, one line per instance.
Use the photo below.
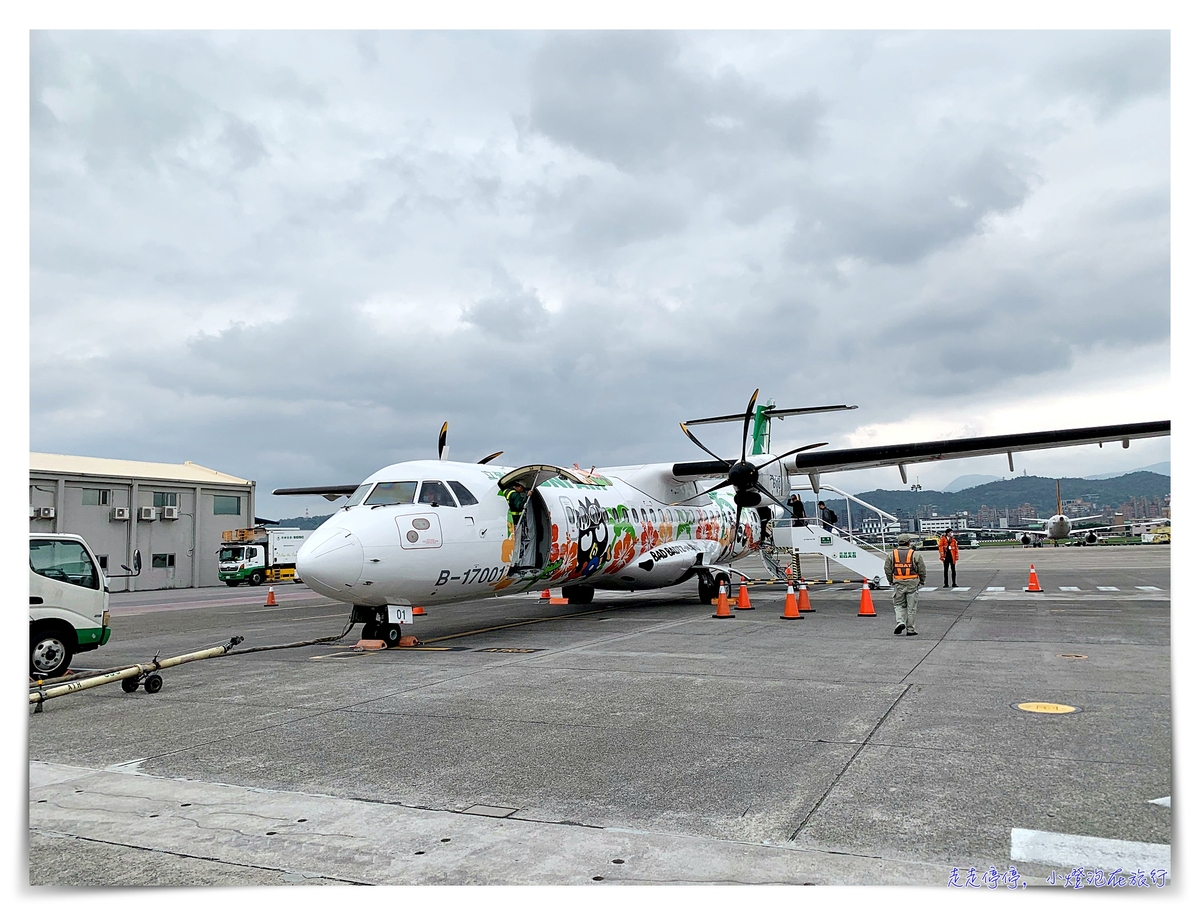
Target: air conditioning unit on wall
(45, 513)
(146, 513)
(170, 513)
(119, 514)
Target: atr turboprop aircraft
(440, 532)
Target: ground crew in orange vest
(905, 571)
(948, 553)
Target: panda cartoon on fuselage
(593, 537)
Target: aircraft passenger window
(434, 492)
(624, 513)
(393, 493)
(359, 494)
(464, 494)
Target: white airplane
(440, 532)
(1059, 527)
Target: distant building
(173, 513)
(937, 525)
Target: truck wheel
(256, 578)
(153, 683)
(50, 652)
(578, 594)
(390, 634)
(233, 583)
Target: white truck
(256, 555)
(68, 602)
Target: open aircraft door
(531, 530)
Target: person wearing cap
(905, 571)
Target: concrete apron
(374, 843)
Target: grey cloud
(244, 143)
(625, 98)
(512, 315)
(1119, 69)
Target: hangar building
(173, 513)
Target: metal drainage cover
(1074, 657)
(1045, 708)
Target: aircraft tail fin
(1058, 494)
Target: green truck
(256, 555)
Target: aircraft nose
(331, 563)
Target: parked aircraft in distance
(1058, 526)
(440, 532)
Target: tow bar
(131, 677)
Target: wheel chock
(370, 645)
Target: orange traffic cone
(802, 599)
(271, 597)
(723, 606)
(545, 595)
(743, 601)
(419, 611)
(865, 606)
(556, 600)
(1033, 582)
(790, 610)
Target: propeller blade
(705, 493)
(746, 422)
(699, 443)
(442, 451)
(490, 457)
(770, 496)
(793, 451)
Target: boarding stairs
(792, 541)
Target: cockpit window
(434, 492)
(464, 494)
(358, 494)
(393, 493)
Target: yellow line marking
(1046, 708)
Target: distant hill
(1037, 491)
(968, 480)
(305, 524)
(1163, 467)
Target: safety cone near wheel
(1034, 587)
(545, 595)
(866, 606)
(743, 601)
(419, 611)
(791, 611)
(271, 597)
(802, 599)
(723, 612)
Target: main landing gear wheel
(390, 633)
(578, 594)
(707, 588)
(153, 683)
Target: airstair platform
(812, 539)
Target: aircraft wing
(332, 493)
(814, 462)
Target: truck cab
(237, 563)
(68, 602)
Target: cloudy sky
(290, 256)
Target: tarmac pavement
(639, 729)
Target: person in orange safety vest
(905, 571)
(948, 553)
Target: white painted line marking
(960, 589)
(995, 589)
(1067, 588)
(1163, 801)
(1106, 588)
(1148, 588)
(927, 589)
(1087, 851)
